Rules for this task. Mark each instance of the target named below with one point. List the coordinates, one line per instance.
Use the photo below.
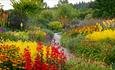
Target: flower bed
(30, 55)
(103, 35)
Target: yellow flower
(96, 36)
(44, 52)
(99, 26)
(104, 24)
(22, 45)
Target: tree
(61, 2)
(104, 8)
(26, 12)
(15, 19)
(66, 11)
(29, 7)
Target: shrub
(37, 35)
(24, 36)
(55, 25)
(20, 35)
(16, 18)
(6, 36)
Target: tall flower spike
(27, 55)
(39, 46)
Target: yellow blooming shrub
(103, 35)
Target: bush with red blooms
(50, 59)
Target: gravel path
(57, 38)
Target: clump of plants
(56, 26)
(31, 55)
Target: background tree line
(37, 13)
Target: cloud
(6, 4)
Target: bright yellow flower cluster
(96, 36)
(28, 44)
(22, 45)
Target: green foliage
(24, 36)
(85, 13)
(16, 18)
(95, 50)
(5, 36)
(68, 11)
(46, 15)
(111, 57)
(104, 8)
(26, 8)
(49, 32)
(55, 25)
(29, 7)
(75, 65)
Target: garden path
(69, 55)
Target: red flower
(27, 59)
(36, 65)
(53, 67)
(62, 54)
(44, 66)
(39, 46)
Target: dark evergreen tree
(104, 8)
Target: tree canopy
(28, 7)
(104, 8)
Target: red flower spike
(27, 55)
(36, 65)
(39, 48)
(44, 66)
(53, 67)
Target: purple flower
(1, 29)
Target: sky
(50, 3)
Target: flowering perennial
(103, 35)
(30, 55)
